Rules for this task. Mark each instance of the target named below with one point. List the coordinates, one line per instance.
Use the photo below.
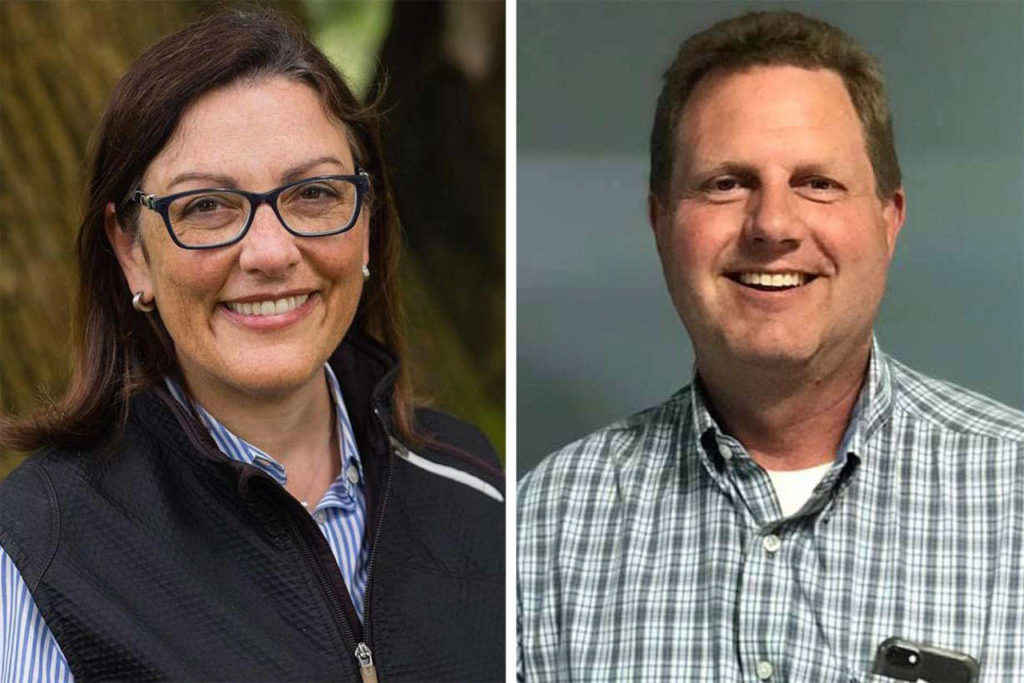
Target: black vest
(160, 558)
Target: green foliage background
(60, 61)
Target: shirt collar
(874, 405)
(872, 409)
(242, 451)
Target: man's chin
(794, 353)
(779, 360)
(770, 353)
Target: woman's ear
(129, 254)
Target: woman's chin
(269, 376)
(274, 379)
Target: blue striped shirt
(28, 650)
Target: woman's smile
(269, 312)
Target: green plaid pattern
(654, 549)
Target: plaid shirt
(654, 549)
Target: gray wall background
(598, 337)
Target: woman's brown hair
(117, 351)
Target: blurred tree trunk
(60, 61)
(444, 68)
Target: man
(807, 497)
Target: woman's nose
(268, 247)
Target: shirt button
(353, 474)
(771, 543)
(725, 451)
(764, 670)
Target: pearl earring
(139, 305)
(366, 272)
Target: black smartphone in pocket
(904, 660)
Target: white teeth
(773, 279)
(288, 303)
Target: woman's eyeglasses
(312, 207)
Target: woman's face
(251, 136)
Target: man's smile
(771, 281)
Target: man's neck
(787, 418)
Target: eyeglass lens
(311, 208)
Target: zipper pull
(367, 671)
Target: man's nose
(773, 219)
(268, 247)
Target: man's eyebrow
(735, 168)
(815, 168)
(292, 174)
(744, 170)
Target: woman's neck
(295, 427)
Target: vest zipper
(367, 671)
(336, 609)
(362, 652)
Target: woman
(236, 485)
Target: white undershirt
(793, 488)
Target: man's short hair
(770, 39)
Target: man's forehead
(754, 90)
(727, 110)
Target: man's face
(773, 241)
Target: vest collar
(365, 369)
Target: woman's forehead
(254, 131)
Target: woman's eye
(315, 192)
(203, 205)
(206, 205)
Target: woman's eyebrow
(215, 179)
(300, 171)
(296, 172)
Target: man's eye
(821, 184)
(724, 184)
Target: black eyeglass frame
(161, 204)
